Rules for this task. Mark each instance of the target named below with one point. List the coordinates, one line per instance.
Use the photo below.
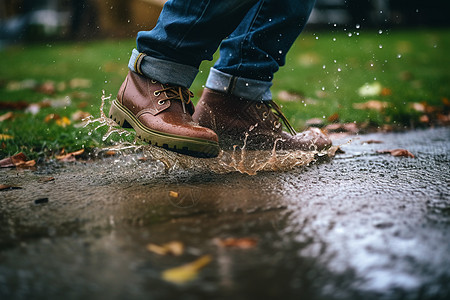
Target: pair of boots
(164, 115)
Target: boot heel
(116, 114)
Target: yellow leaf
(173, 194)
(175, 248)
(186, 272)
(63, 122)
(5, 137)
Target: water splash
(237, 160)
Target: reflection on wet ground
(363, 225)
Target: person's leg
(154, 98)
(237, 102)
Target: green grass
(327, 68)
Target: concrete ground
(362, 225)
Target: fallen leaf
(69, 156)
(21, 85)
(33, 108)
(110, 153)
(186, 272)
(7, 116)
(80, 115)
(290, 96)
(372, 104)
(420, 107)
(174, 248)
(5, 137)
(315, 122)
(13, 161)
(386, 92)
(80, 83)
(424, 119)
(397, 152)
(372, 142)
(333, 118)
(4, 187)
(46, 179)
(51, 117)
(17, 105)
(63, 122)
(47, 87)
(242, 243)
(342, 127)
(370, 90)
(173, 194)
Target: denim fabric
(254, 37)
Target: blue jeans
(254, 37)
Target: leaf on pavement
(69, 156)
(174, 248)
(372, 104)
(4, 187)
(241, 243)
(186, 272)
(397, 152)
(372, 142)
(18, 160)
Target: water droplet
(358, 26)
(380, 46)
(350, 34)
(380, 31)
(280, 51)
(270, 20)
(317, 37)
(399, 56)
(246, 84)
(323, 88)
(323, 67)
(334, 39)
(339, 69)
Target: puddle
(238, 160)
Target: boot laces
(178, 93)
(277, 112)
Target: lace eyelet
(153, 81)
(156, 93)
(265, 115)
(161, 102)
(258, 105)
(276, 124)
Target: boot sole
(181, 144)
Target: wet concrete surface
(363, 225)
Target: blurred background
(37, 20)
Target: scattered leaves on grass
(4, 137)
(18, 160)
(333, 118)
(173, 248)
(241, 243)
(372, 104)
(9, 115)
(69, 157)
(5, 187)
(16, 105)
(397, 153)
(186, 272)
(370, 89)
(60, 121)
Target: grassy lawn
(405, 71)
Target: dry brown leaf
(79, 115)
(397, 152)
(386, 92)
(420, 107)
(46, 179)
(242, 243)
(372, 104)
(69, 156)
(372, 142)
(6, 116)
(333, 118)
(4, 187)
(17, 105)
(186, 272)
(13, 161)
(424, 119)
(47, 88)
(51, 117)
(174, 248)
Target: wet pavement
(363, 225)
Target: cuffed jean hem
(164, 71)
(250, 89)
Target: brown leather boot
(236, 120)
(162, 116)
